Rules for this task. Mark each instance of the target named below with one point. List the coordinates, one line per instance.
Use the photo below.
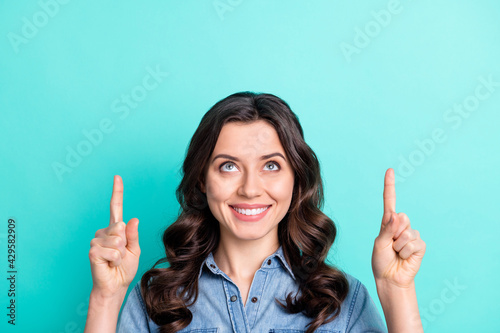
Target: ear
(202, 187)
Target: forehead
(256, 137)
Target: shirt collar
(275, 260)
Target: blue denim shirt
(219, 307)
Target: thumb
(132, 233)
(389, 231)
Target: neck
(241, 259)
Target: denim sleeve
(364, 314)
(134, 317)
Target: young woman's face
(249, 181)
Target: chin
(253, 233)
(249, 235)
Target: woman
(247, 252)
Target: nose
(251, 186)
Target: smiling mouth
(250, 212)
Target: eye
(228, 167)
(272, 166)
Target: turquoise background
(362, 113)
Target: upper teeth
(250, 211)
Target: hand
(398, 249)
(114, 252)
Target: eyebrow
(263, 157)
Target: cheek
(218, 190)
(282, 190)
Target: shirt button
(269, 262)
(234, 298)
(212, 265)
(254, 299)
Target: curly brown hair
(305, 233)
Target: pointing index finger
(389, 193)
(116, 205)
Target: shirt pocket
(291, 330)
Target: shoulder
(356, 288)
(134, 317)
(135, 299)
(357, 294)
(359, 310)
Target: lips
(248, 206)
(249, 213)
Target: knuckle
(407, 235)
(116, 227)
(116, 241)
(98, 233)
(404, 218)
(115, 255)
(92, 253)
(93, 242)
(120, 226)
(411, 247)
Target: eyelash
(274, 162)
